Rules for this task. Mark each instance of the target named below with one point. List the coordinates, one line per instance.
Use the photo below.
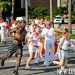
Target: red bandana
(37, 33)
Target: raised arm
(11, 31)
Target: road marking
(12, 61)
(0, 73)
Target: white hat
(19, 19)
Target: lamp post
(26, 10)
(12, 12)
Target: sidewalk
(67, 26)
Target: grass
(72, 36)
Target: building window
(29, 3)
(23, 3)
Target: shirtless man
(15, 47)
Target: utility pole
(69, 12)
(26, 10)
(12, 12)
(51, 10)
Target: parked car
(58, 19)
(66, 20)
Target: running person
(62, 51)
(48, 34)
(15, 47)
(33, 46)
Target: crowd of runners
(39, 36)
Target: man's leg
(10, 52)
(46, 60)
(5, 57)
(18, 61)
(51, 52)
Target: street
(67, 26)
(38, 69)
(50, 29)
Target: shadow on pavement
(9, 67)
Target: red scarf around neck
(36, 33)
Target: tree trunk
(26, 9)
(12, 12)
(51, 15)
(69, 11)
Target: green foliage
(60, 11)
(47, 17)
(73, 15)
(72, 36)
(4, 5)
(38, 11)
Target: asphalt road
(38, 69)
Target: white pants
(3, 37)
(49, 45)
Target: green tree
(39, 11)
(4, 5)
(58, 11)
(61, 11)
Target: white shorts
(62, 55)
(32, 48)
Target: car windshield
(57, 17)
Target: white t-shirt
(48, 34)
(42, 26)
(36, 39)
(65, 44)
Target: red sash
(34, 45)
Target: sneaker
(36, 61)
(2, 62)
(46, 64)
(15, 72)
(61, 72)
(51, 63)
(27, 67)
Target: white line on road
(13, 61)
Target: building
(20, 5)
(64, 2)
